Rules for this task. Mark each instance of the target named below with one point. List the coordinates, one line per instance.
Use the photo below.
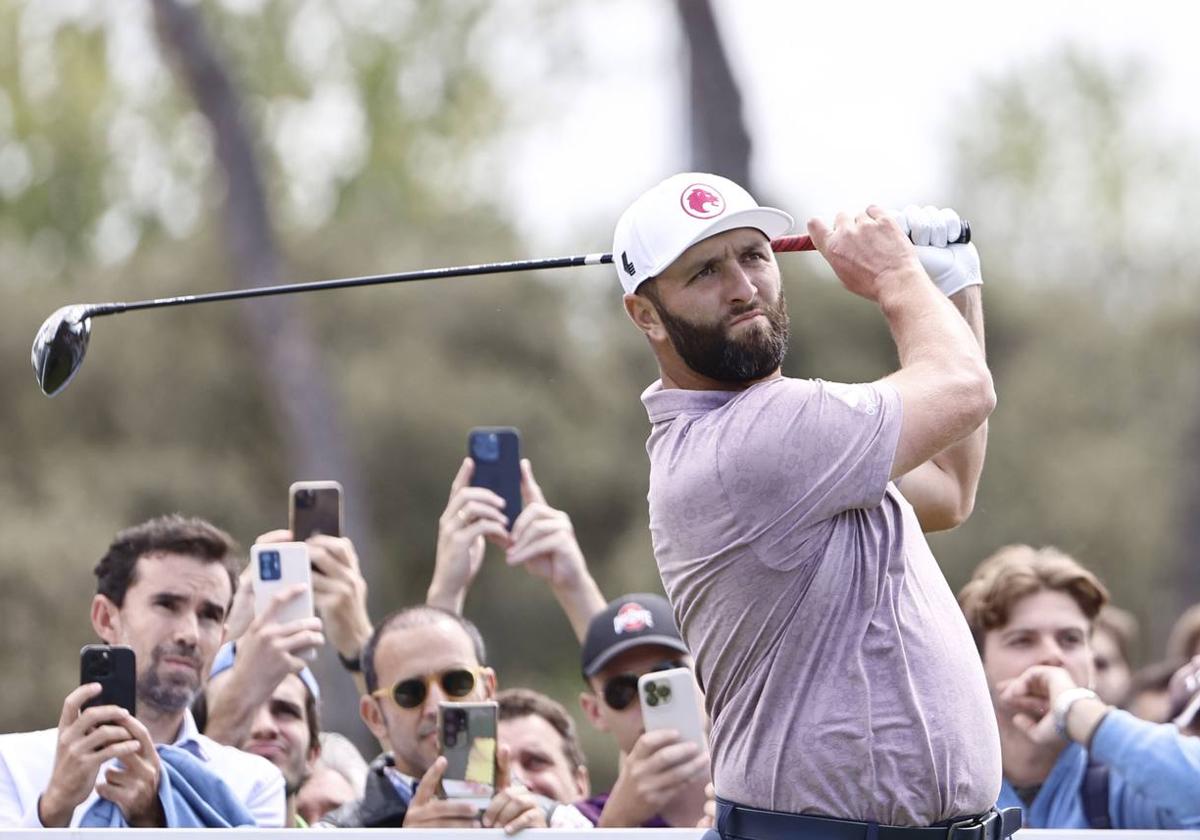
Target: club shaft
(352, 282)
(782, 244)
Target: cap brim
(772, 222)
(599, 661)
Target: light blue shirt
(27, 761)
(1154, 779)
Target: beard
(711, 351)
(171, 693)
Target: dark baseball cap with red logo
(628, 622)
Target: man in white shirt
(163, 589)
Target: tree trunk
(306, 408)
(720, 141)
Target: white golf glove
(951, 267)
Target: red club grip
(802, 242)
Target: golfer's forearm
(962, 463)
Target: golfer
(846, 694)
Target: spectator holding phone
(417, 658)
(541, 540)
(658, 769)
(163, 588)
(285, 729)
(662, 779)
(1070, 759)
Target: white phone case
(278, 566)
(670, 701)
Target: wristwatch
(1063, 704)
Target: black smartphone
(114, 667)
(315, 507)
(496, 451)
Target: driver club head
(59, 347)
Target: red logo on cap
(702, 201)
(631, 618)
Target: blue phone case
(496, 451)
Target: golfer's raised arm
(942, 490)
(944, 384)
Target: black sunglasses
(411, 693)
(621, 690)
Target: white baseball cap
(673, 216)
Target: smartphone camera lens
(305, 498)
(485, 447)
(269, 567)
(664, 692)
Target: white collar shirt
(27, 761)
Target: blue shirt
(1154, 779)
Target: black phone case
(114, 667)
(503, 474)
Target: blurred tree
(720, 140)
(288, 364)
(1078, 195)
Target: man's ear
(590, 704)
(489, 684)
(583, 782)
(644, 316)
(106, 619)
(372, 716)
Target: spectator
(545, 753)
(163, 588)
(543, 745)
(1149, 697)
(1184, 642)
(1070, 760)
(543, 542)
(1113, 634)
(285, 729)
(662, 778)
(339, 776)
(416, 658)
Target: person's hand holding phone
(133, 785)
(473, 517)
(513, 807)
(661, 767)
(544, 544)
(427, 810)
(266, 653)
(86, 739)
(339, 589)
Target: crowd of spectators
(227, 729)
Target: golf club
(62, 341)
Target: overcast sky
(847, 102)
